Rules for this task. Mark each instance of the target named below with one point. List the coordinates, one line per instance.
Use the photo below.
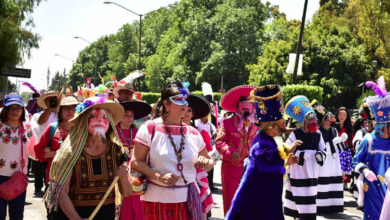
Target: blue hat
(13, 99)
(268, 102)
(298, 107)
(379, 104)
(380, 107)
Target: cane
(104, 198)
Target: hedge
(289, 91)
(311, 92)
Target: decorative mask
(245, 106)
(98, 122)
(312, 122)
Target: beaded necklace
(178, 152)
(127, 140)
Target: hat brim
(140, 109)
(42, 98)
(200, 106)
(115, 109)
(117, 89)
(14, 103)
(230, 98)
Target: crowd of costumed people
(103, 153)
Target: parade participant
(261, 187)
(110, 95)
(361, 127)
(87, 163)
(55, 134)
(49, 102)
(174, 150)
(385, 214)
(124, 92)
(16, 138)
(234, 139)
(344, 125)
(330, 196)
(88, 84)
(198, 107)
(131, 207)
(302, 178)
(372, 159)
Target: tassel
(194, 203)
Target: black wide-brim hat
(200, 106)
(140, 109)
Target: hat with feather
(379, 104)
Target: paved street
(35, 208)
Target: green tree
(16, 36)
(58, 81)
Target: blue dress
(374, 154)
(259, 195)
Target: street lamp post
(83, 39)
(65, 57)
(140, 30)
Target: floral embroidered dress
(10, 148)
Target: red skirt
(166, 211)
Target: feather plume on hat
(29, 85)
(208, 92)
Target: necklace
(127, 140)
(178, 152)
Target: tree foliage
(58, 81)
(16, 36)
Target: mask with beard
(312, 122)
(98, 123)
(245, 112)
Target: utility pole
(299, 48)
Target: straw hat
(69, 100)
(140, 109)
(230, 99)
(200, 106)
(41, 100)
(127, 86)
(115, 109)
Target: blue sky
(58, 21)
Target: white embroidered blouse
(10, 148)
(163, 158)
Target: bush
(311, 92)
(152, 97)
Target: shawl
(67, 156)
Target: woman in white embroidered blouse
(174, 150)
(12, 158)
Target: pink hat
(230, 98)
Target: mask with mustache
(98, 122)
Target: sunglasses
(179, 99)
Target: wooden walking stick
(104, 198)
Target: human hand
(46, 149)
(336, 140)
(204, 163)
(344, 137)
(235, 156)
(123, 171)
(370, 176)
(296, 144)
(293, 159)
(169, 179)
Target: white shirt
(39, 129)
(209, 127)
(10, 149)
(164, 160)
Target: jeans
(39, 175)
(15, 207)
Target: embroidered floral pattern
(296, 110)
(2, 163)
(379, 113)
(15, 140)
(305, 103)
(13, 164)
(6, 139)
